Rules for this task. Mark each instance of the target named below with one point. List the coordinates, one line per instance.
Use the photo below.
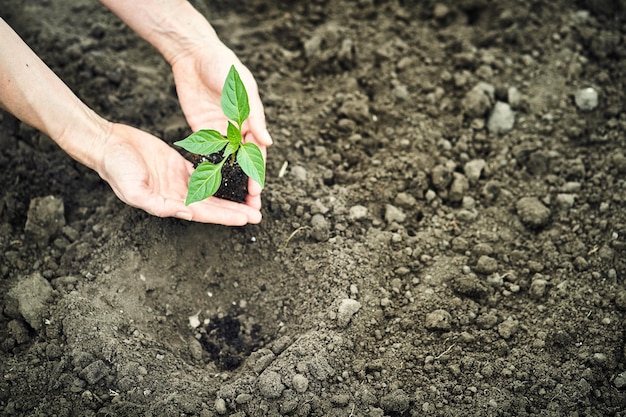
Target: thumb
(259, 130)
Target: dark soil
(448, 239)
(234, 185)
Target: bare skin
(142, 170)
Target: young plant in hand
(219, 152)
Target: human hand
(199, 75)
(146, 173)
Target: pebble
(220, 406)
(571, 187)
(299, 173)
(532, 212)
(486, 265)
(466, 216)
(94, 372)
(320, 228)
(502, 119)
(300, 383)
(355, 109)
(318, 220)
(459, 187)
(438, 320)
(508, 328)
(45, 218)
(565, 201)
(476, 103)
(470, 286)
(586, 99)
(495, 280)
(195, 349)
(394, 214)
(395, 402)
(538, 288)
(405, 200)
(514, 97)
(347, 308)
(468, 203)
(270, 384)
(31, 295)
(441, 177)
(430, 195)
(440, 11)
(358, 212)
(473, 169)
(401, 92)
(620, 381)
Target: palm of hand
(145, 172)
(199, 79)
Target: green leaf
(230, 149)
(203, 142)
(251, 162)
(235, 98)
(234, 135)
(204, 182)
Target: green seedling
(207, 177)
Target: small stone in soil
(508, 328)
(532, 212)
(300, 383)
(347, 309)
(31, 295)
(438, 320)
(358, 212)
(94, 372)
(502, 119)
(538, 288)
(396, 402)
(473, 169)
(586, 99)
(394, 214)
(45, 218)
(270, 384)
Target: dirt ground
(444, 226)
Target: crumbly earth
(444, 226)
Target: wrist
(174, 27)
(85, 142)
(183, 32)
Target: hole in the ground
(229, 341)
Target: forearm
(35, 95)
(173, 27)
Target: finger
(258, 128)
(254, 201)
(216, 210)
(254, 189)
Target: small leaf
(235, 98)
(204, 182)
(229, 150)
(203, 142)
(234, 135)
(251, 162)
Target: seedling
(207, 176)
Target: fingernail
(267, 137)
(185, 215)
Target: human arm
(141, 169)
